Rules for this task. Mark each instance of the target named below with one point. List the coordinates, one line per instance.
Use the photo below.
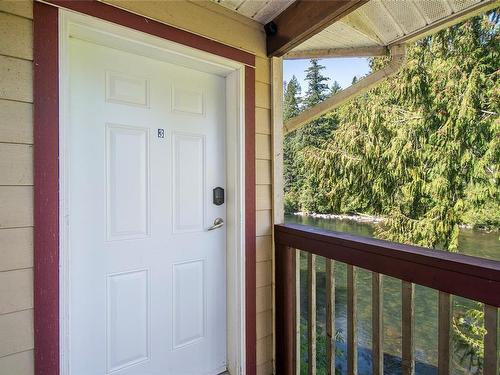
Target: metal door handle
(218, 223)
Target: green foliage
(302, 189)
(469, 331)
(421, 149)
(321, 349)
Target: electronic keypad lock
(218, 196)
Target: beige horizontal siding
(16, 248)
(264, 248)
(264, 350)
(265, 368)
(264, 222)
(16, 36)
(262, 70)
(263, 172)
(16, 168)
(17, 332)
(263, 273)
(262, 120)
(264, 324)
(16, 122)
(264, 298)
(16, 290)
(263, 197)
(16, 164)
(203, 19)
(17, 364)
(16, 206)
(262, 95)
(16, 79)
(16, 192)
(263, 146)
(23, 8)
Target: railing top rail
(454, 273)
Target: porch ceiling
(386, 22)
(370, 28)
(261, 11)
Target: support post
(285, 310)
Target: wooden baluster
(352, 347)
(330, 316)
(408, 324)
(444, 332)
(311, 269)
(490, 340)
(377, 323)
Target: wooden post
(311, 326)
(377, 323)
(277, 144)
(444, 340)
(408, 323)
(330, 316)
(285, 310)
(490, 340)
(298, 352)
(352, 329)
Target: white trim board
(74, 25)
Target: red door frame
(46, 166)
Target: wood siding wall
(16, 165)
(16, 187)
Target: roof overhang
(305, 29)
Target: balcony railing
(448, 273)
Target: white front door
(147, 279)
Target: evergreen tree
(317, 90)
(312, 198)
(292, 171)
(291, 102)
(422, 149)
(335, 88)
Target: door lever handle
(218, 223)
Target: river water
(471, 242)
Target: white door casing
(143, 139)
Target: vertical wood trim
(407, 325)
(330, 316)
(250, 224)
(352, 329)
(46, 188)
(490, 340)
(277, 131)
(377, 323)
(298, 353)
(444, 333)
(277, 152)
(285, 309)
(311, 326)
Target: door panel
(146, 146)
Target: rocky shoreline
(361, 218)
(357, 218)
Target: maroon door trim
(46, 166)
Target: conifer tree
(291, 102)
(335, 88)
(317, 90)
(423, 149)
(292, 171)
